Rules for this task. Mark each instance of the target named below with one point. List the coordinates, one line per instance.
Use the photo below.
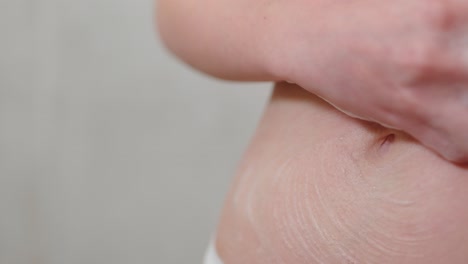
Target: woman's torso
(316, 186)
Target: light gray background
(110, 150)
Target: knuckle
(410, 108)
(438, 15)
(418, 61)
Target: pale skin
(316, 186)
(402, 63)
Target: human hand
(403, 63)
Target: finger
(448, 134)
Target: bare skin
(316, 186)
(401, 63)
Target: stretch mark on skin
(246, 171)
(287, 176)
(299, 215)
(316, 195)
(303, 218)
(331, 213)
(325, 173)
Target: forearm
(222, 38)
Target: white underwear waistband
(211, 256)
